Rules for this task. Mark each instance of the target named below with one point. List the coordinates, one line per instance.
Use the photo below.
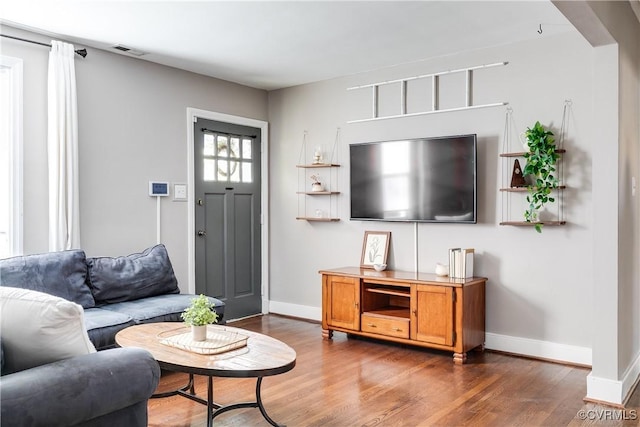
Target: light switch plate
(180, 192)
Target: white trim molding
(296, 310)
(192, 115)
(539, 349)
(613, 391)
(516, 345)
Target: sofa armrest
(78, 389)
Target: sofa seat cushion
(103, 325)
(62, 274)
(38, 328)
(161, 308)
(132, 277)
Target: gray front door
(227, 215)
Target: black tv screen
(417, 180)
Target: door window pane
(235, 172)
(235, 147)
(246, 172)
(223, 146)
(246, 149)
(209, 170)
(209, 148)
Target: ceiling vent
(129, 50)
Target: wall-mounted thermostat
(158, 188)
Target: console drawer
(385, 326)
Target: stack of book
(460, 263)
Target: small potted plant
(198, 315)
(316, 184)
(541, 161)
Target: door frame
(192, 114)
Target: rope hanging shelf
(330, 164)
(507, 153)
(435, 94)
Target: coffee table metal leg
(261, 406)
(215, 409)
(190, 386)
(210, 404)
(257, 404)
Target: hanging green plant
(541, 161)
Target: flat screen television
(415, 180)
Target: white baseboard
(604, 390)
(598, 389)
(539, 349)
(612, 391)
(509, 344)
(295, 310)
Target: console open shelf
(390, 291)
(390, 312)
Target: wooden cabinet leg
(327, 334)
(459, 358)
(479, 349)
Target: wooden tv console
(420, 309)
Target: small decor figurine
(442, 270)
(198, 315)
(317, 156)
(517, 178)
(316, 185)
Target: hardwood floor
(360, 382)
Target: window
(10, 156)
(227, 158)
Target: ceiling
(277, 44)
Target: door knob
(201, 233)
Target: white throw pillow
(39, 328)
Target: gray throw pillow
(132, 277)
(62, 274)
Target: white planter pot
(199, 333)
(316, 186)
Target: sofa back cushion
(132, 277)
(39, 328)
(63, 274)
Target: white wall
(614, 29)
(132, 129)
(539, 285)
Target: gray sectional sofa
(52, 379)
(114, 292)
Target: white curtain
(64, 221)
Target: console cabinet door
(432, 314)
(343, 302)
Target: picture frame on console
(375, 248)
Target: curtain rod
(81, 52)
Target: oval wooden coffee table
(262, 356)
